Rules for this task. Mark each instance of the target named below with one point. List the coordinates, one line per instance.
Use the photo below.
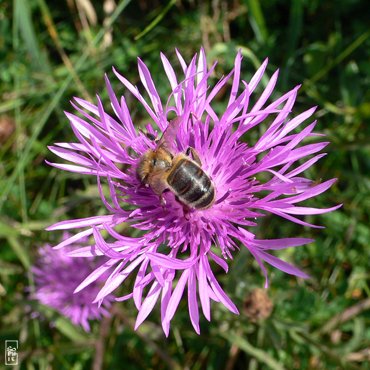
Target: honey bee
(179, 173)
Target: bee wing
(168, 139)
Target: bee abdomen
(191, 185)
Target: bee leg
(194, 154)
(186, 211)
(143, 180)
(163, 201)
(162, 198)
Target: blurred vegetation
(50, 53)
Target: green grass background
(52, 51)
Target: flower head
(56, 277)
(178, 244)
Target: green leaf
(257, 20)
(69, 330)
(259, 354)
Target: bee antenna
(149, 135)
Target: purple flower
(56, 277)
(176, 247)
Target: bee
(163, 170)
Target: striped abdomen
(191, 185)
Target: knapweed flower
(56, 277)
(175, 246)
